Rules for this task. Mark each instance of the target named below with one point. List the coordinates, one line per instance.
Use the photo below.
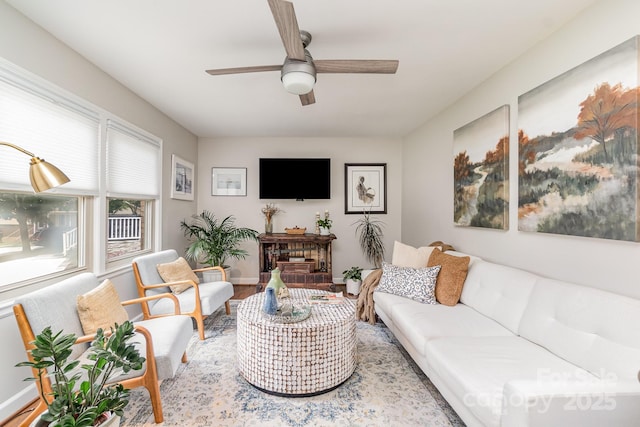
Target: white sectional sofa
(524, 350)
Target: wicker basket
(295, 230)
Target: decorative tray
(295, 230)
(297, 315)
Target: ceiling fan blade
(356, 66)
(239, 70)
(287, 24)
(308, 98)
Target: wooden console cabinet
(304, 260)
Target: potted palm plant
(353, 278)
(213, 241)
(78, 398)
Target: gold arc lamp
(43, 175)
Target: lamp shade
(298, 82)
(44, 175)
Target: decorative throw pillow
(415, 283)
(408, 256)
(100, 308)
(452, 275)
(176, 271)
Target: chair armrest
(140, 300)
(585, 403)
(217, 267)
(157, 285)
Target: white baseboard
(18, 401)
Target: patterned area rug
(387, 389)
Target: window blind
(51, 127)
(133, 163)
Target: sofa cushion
(453, 272)
(176, 271)
(591, 328)
(415, 283)
(421, 322)
(477, 368)
(408, 256)
(498, 292)
(100, 308)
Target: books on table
(328, 298)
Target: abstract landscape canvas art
(481, 171)
(578, 150)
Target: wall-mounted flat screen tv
(290, 178)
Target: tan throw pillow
(100, 308)
(451, 277)
(176, 271)
(408, 256)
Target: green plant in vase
(78, 398)
(325, 225)
(214, 241)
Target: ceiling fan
(298, 72)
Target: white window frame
(93, 212)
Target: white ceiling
(160, 48)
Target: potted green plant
(370, 236)
(325, 226)
(353, 278)
(213, 241)
(86, 398)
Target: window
(38, 235)
(127, 231)
(133, 185)
(114, 170)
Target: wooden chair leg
(227, 307)
(200, 324)
(156, 402)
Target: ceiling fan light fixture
(298, 77)
(298, 82)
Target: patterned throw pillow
(416, 283)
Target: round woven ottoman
(298, 359)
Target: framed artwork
(578, 147)
(228, 181)
(481, 171)
(181, 178)
(365, 188)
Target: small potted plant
(78, 398)
(213, 241)
(353, 278)
(325, 226)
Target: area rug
(386, 389)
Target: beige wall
(245, 152)
(428, 163)
(29, 47)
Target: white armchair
(198, 301)
(162, 340)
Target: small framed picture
(181, 178)
(228, 181)
(365, 188)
